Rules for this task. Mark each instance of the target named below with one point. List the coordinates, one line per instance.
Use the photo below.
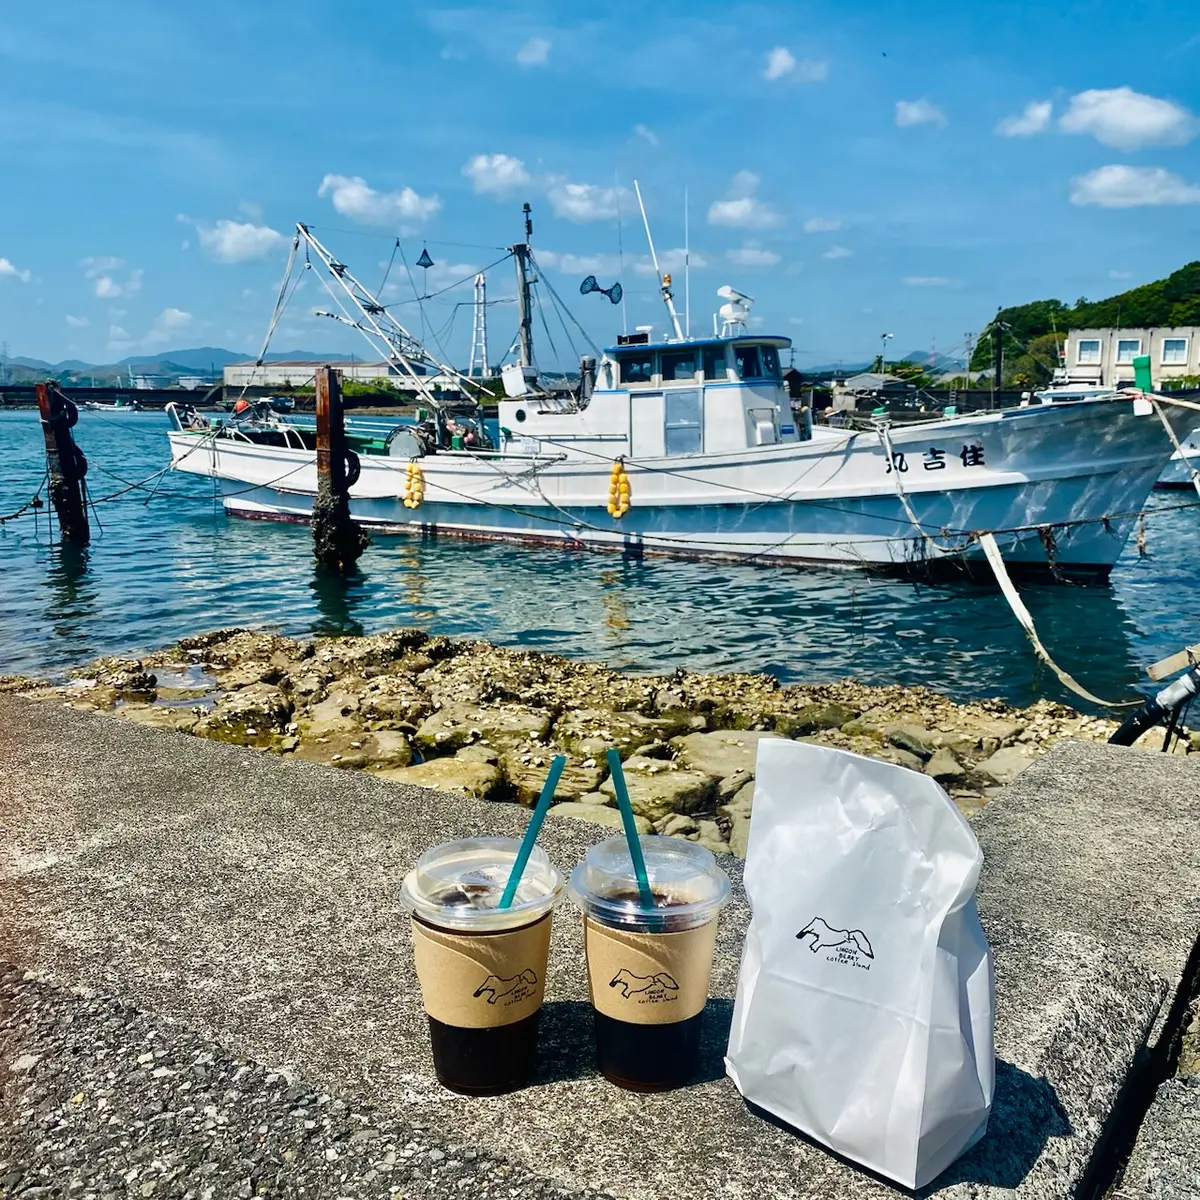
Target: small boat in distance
(118, 407)
(688, 446)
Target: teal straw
(533, 829)
(631, 833)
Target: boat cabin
(664, 400)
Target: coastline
(470, 717)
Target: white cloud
(118, 336)
(535, 52)
(1120, 186)
(7, 269)
(1035, 119)
(919, 112)
(97, 265)
(822, 225)
(838, 252)
(167, 325)
(77, 322)
(496, 173)
(742, 209)
(237, 241)
(645, 133)
(174, 318)
(100, 269)
(1120, 274)
(781, 63)
(580, 202)
(928, 281)
(795, 320)
(1128, 120)
(251, 209)
(751, 254)
(353, 198)
(579, 264)
(671, 262)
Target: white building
(1105, 356)
(300, 374)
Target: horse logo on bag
(850, 946)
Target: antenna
(687, 269)
(479, 346)
(620, 252)
(734, 313)
(664, 281)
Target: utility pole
(520, 253)
(65, 463)
(338, 542)
(997, 358)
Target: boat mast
(664, 281)
(389, 338)
(520, 253)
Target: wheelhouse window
(770, 362)
(1128, 349)
(678, 364)
(637, 367)
(747, 359)
(1088, 352)
(1174, 352)
(714, 362)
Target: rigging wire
(558, 299)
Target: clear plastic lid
(458, 885)
(688, 886)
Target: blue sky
(891, 168)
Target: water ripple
(178, 565)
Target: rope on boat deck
(995, 560)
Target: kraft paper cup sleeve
(482, 981)
(649, 978)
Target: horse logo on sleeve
(657, 986)
(517, 987)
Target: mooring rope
(996, 561)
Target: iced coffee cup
(649, 968)
(482, 968)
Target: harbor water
(165, 561)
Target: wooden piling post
(65, 462)
(337, 541)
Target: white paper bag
(865, 1003)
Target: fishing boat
(688, 446)
(118, 408)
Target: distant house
(1105, 356)
(850, 393)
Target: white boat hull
(1059, 485)
(1178, 471)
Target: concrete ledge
(252, 899)
(1166, 1160)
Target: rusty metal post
(338, 542)
(65, 462)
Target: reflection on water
(178, 565)
(337, 596)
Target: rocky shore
(470, 717)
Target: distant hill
(1165, 302)
(168, 365)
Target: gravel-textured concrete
(1166, 1161)
(100, 1100)
(253, 901)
